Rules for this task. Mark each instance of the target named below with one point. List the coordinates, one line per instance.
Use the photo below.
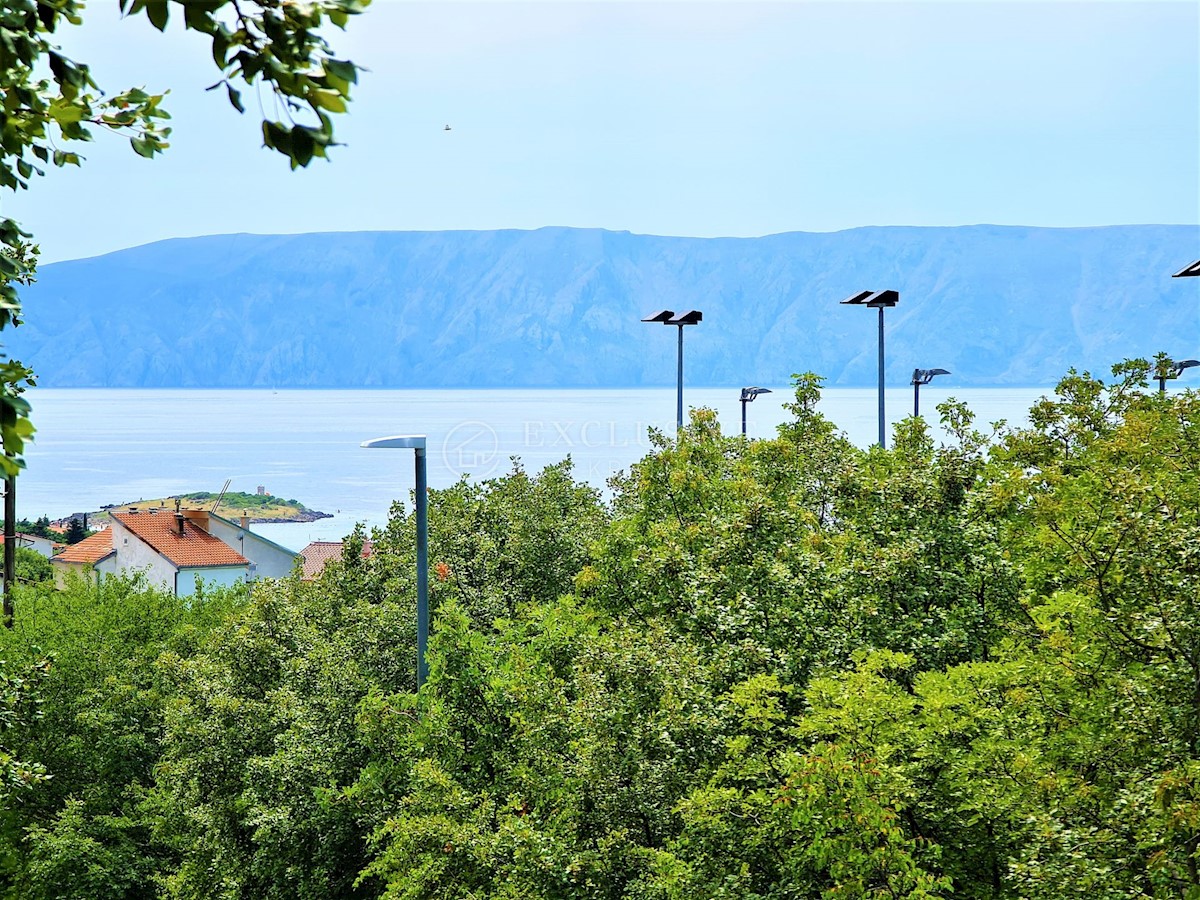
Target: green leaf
(330, 100)
(342, 69)
(157, 12)
(235, 98)
(66, 113)
(302, 145)
(220, 47)
(277, 137)
(143, 147)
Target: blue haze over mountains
(560, 307)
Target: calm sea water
(95, 447)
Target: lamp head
(691, 317)
(874, 299)
(882, 298)
(924, 376)
(1191, 271)
(396, 442)
(749, 393)
(663, 315)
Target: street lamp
(920, 377)
(748, 395)
(667, 317)
(416, 443)
(879, 300)
(1189, 271)
(1173, 370)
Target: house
(38, 544)
(267, 559)
(318, 554)
(175, 549)
(91, 559)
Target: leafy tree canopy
(765, 669)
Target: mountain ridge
(561, 307)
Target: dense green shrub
(769, 669)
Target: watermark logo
(584, 436)
(471, 448)
(479, 450)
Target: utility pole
(10, 545)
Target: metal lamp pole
(920, 377)
(748, 395)
(880, 300)
(1189, 271)
(668, 317)
(416, 443)
(1173, 370)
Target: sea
(103, 446)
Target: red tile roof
(193, 548)
(317, 554)
(89, 550)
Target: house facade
(173, 552)
(178, 551)
(267, 559)
(90, 559)
(38, 544)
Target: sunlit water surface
(95, 446)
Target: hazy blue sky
(685, 118)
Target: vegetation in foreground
(768, 669)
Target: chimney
(198, 517)
(179, 520)
(245, 522)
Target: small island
(258, 508)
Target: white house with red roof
(175, 549)
(91, 559)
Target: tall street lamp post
(920, 377)
(668, 317)
(1173, 370)
(748, 395)
(879, 300)
(416, 443)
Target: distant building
(38, 544)
(175, 549)
(318, 554)
(91, 559)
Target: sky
(684, 117)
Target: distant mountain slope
(561, 307)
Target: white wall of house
(63, 570)
(90, 572)
(210, 576)
(107, 566)
(269, 559)
(134, 554)
(37, 544)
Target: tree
(85, 830)
(39, 527)
(32, 567)
(273, 45)
(75, 531)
